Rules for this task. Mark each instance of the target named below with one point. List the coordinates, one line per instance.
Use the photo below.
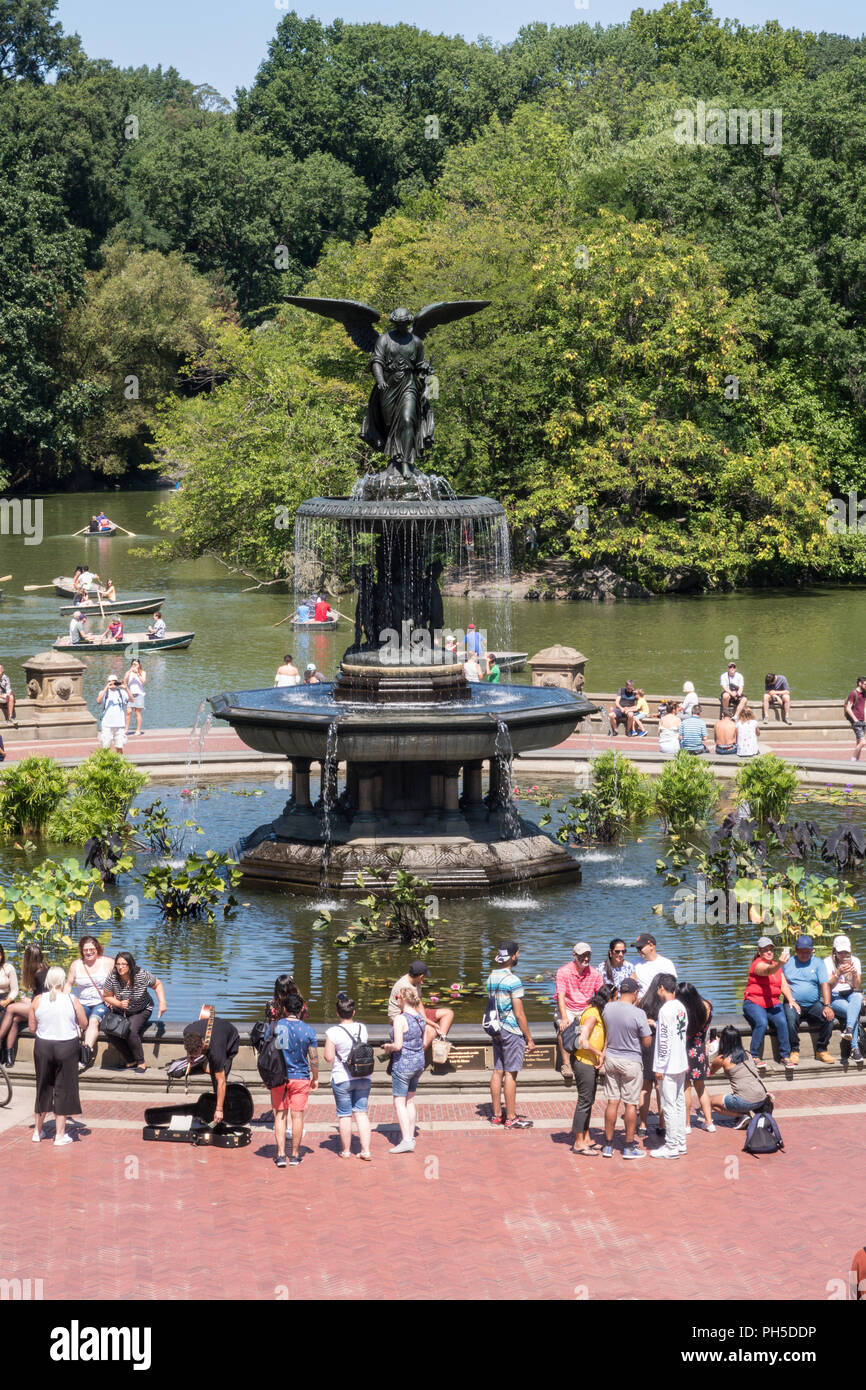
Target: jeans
(759, 1017)
(586, 1081)
(812, 1013)
(674, 1109)
(847, 1008)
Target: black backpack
(762, 1136)
(361, 1059)
(271, 1062)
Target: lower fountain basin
(294, 722)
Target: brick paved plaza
(499, 1215)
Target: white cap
(841, 943)
(581, 947)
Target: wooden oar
(286, 619)
(81, 532)
(4, 578)
(118, 527)
(342, 615)
(28, 588)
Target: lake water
(807, 634)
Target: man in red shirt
(576, 983)
(855, 713)
(322, 610)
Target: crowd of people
(628, 1023)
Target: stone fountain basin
(294, 723)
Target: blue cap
(804, 943)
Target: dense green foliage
(767, 785)
(30, 793)
(100, 792)
(686, 792)
(52, 904)
(617, 795)
(671, 378)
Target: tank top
(87, 991)
(55, 1021)
(287, 680)
(410, 1059)
(669, 740)
(134, 684)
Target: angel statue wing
(446, 311)
(357, 319)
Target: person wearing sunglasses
(576, 983)
(616, 968)
(762, 1002)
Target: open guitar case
(194, 1123)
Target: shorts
(404, 1085)
(623, 1079)
(620, 716)
(430, 1015)
(738, 1105)
(647, 1060)
(859, 729)
(509, 1050)
(99, 1009)
(115, 735)
(292, 1095)
(352, 1095)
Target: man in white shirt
(650, 963)
(157, 627)
(671, 1065)
(733, 690)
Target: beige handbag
(440, 1051)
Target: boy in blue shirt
(297, 1042)
(806, 973)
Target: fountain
(410, 733)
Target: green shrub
(769, 785)
(100, 792)
(618, 794)
(614, 778)
(686, 792)
(30, 792)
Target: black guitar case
(233, 1131)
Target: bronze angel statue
(399, 418)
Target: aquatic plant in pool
(617, 795)
(686, 792)
(766, 786)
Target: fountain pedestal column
(301, 803)
(473, 802)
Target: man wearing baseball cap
(512, 1041)
(846, 998)
(114, 698)
(807, 976)
(576, 983)
(415, 976)
(650, 963)
(312, 676)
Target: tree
(30, 45)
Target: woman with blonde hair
(748, 734)
(56, 1019)
(411, 1035)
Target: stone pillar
(55, 707)
(301, 784)
(500, 785)
(451, 777)
(559, 667)
(473, 804)
(366, 813)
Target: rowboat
(172, 641)
(327, 626)
(101, 534)
(126, 605)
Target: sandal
(345, 1155)
(367, 1157)
(566, 1073)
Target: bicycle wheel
(5, 1087)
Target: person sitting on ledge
(221, 1051)
(748, 734)
(806, 973)
(641, 712)
(748, 1092)
(693, 733)
(725, 734)
(733, 686)
(777, 692)
(765, 988)
(414, 977)
(157, 627)
(622, 712)
(846, 997)
(669, 727)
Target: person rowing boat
(78, 628)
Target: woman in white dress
(748, 734)
(287, 674)
(669, 729)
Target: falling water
(504, 755)
(329, 788)
(201, 727)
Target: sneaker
(789, 722)
(36, 1136)
(848, 1034)
(295, 1162)
(607, 1151)
(280, 1160)
(665, 1152)
(632, 1151)
(681, 1149)
(406, 1146)
(518, 1122)
(743, 1122)
(826, 1058)
(709, 1129)
(641, 734)
(641, 1131)
(688, 1129)
(497, 1119)
(61, 1140)
(856, 1054)
(760, 1064)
